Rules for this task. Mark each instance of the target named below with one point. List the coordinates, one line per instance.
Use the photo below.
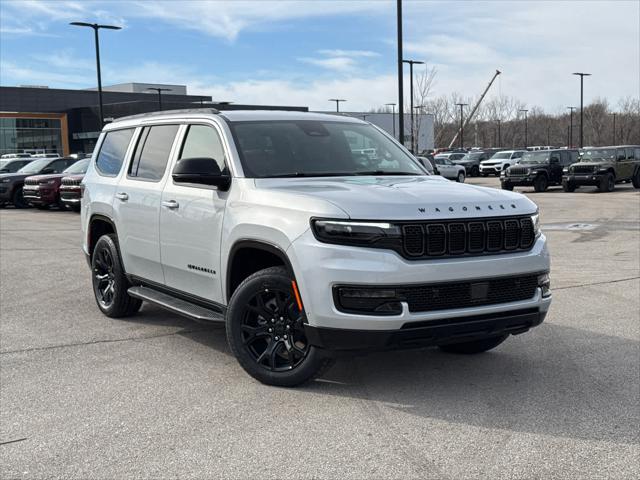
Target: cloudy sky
(304, 52)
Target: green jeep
(604, 167)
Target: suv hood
(14, 176)
(405, 198)
(48, 176)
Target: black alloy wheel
(18, 199)
(104, 277)
(475, 171)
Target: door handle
(122, 196)
(170, 204)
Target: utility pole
(400, 79)
(337, 100)
(393, 116)
(526, 128)
(411, 64)
(570, 143)
(582, 75)
(159, 90)
(499, 134)
(614, 127)
(461, 105)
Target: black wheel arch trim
(260, 245)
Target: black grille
(426, 298)
(70, 181)
(518, 171)
(582, 169)
(467, 237)
(30, 181)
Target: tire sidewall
(120, 295)
(461, 177)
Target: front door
(137, 202)
(191, 221)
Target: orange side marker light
(297, 294)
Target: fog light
(544, 282)
(369, 301)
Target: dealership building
(41, 120)
(37, 119)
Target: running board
(176, 305)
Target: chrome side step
(176, 305)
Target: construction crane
(470, 117)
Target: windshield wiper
(384, 172)
(310, 174)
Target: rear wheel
(461, 177)
(541, 183)
(475, 171)
(109, 281)
(265, 331)
(607, 183)
(476, 346)
(18, 200)
(636, 179)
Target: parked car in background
(427, 162)
(11, 184)
(70, 189)
(539, 168)
(471, 162)
(45, 155)
(444, 167)
(43, 191)
(499, 161)
(8, 156)
(604, 167)
(10, 165)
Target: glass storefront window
(30, 134)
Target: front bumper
(492, 169)
(593, 179)
(425, 334)
(70, 196)
(319, 267)
(522, 181)
(37, 195)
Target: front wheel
(568, 187)
(540, 184)
(475, 171)
(265, 331)
(110, 284)
(18, 200)
(607, 183)
(460, 178)
(507, 186)
(476, 346)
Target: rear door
(191, 220)
(137, 201)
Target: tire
(258, 342)
(607, 183)
(109, 280)
(476, 346)
(568, 187)
(507, 186)
(636, 179)
(475, 171)
(18, 200)
(460, 178)
(541, 183)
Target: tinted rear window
(112, 151)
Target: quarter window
(112, 151)
(152, 152)
(203, 141)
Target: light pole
(582, 75)
(159, 90)
(393, 116)
(526, 128)
(97, 27)
(411, 64)
(461, 105)
(400, 79)
(499, 134)
(614, 127)
(415, 145)
(337, 100)
(571, 109)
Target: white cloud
(341, 64)
(348, 53)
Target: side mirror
(201, 170)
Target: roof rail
(169, 112)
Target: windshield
(308, 148)
(598, 154)
(501, 155)
(78, 167)
(35, 166)
(535, 157)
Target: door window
(516, 155)
(565, 158)
(620, 154)
(152, 152)
(112, 151)
(629, 153)
(203, 141)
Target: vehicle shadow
(567, 382)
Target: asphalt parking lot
(85, 396)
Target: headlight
(535, 220)
(48, 182)
(565, 170)
(5, 180)
(544, 282)
(367, 234)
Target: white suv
(500, 161)
(277, 224)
